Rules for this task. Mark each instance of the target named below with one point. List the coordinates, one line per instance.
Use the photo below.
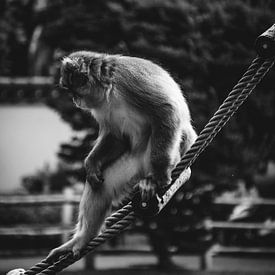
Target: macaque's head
(76, 78)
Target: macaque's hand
(147, 188)
(94, 173)
(74, 246)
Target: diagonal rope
(121, 219)
(235, 99)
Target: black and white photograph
(137, 137)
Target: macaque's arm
(106, 150)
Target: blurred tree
(46, 180)
(16, 27)
(206, 45)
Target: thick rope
(255, 73)
(120, 220)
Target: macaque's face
(75, 79)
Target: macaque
(144, 128)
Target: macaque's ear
(102, 69)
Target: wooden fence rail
(33, 81)
(31, 90)
(254, 201)
(68, 200)
(35, 230)
(38, 200)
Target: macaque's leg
(107, 149)
(165, 153)
(168, 144)
(189, 136)
(94, 206)
(165, 147)
(119, 177)
(160, 162)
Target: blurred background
(223, 219)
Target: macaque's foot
(148, 188)
(74, 246)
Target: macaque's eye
(78, 79)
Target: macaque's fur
(144, 126)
